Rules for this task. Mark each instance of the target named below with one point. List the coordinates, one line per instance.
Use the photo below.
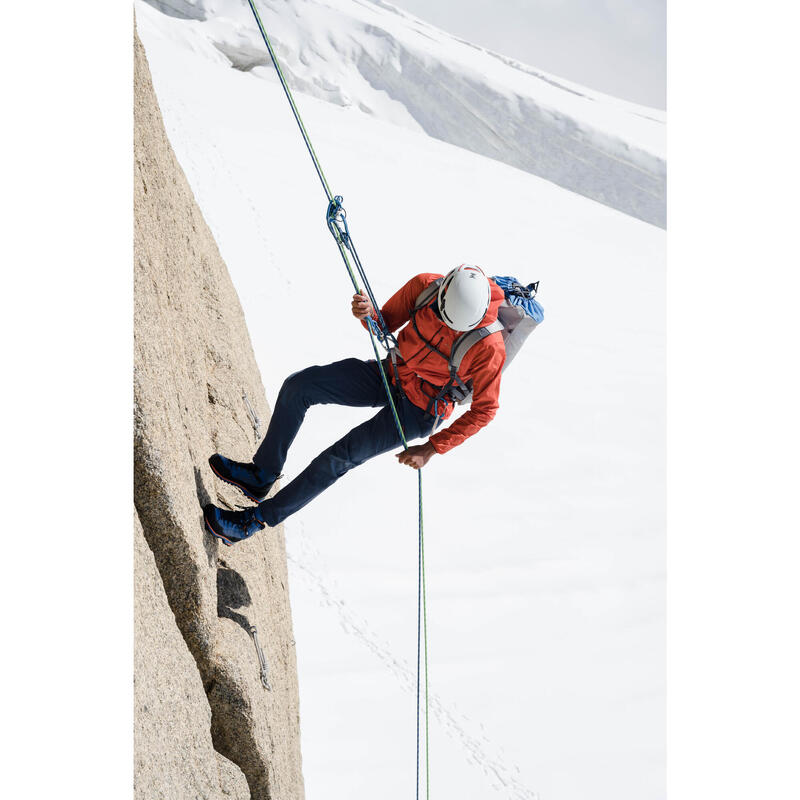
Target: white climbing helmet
(464, 297)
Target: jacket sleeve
(397, 309)
(485, 371)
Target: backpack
(517, 317)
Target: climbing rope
(336, 219)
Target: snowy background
(545, 532)
(385, 63)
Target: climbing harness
(336, 219)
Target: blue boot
(232, 526)
(247, 478)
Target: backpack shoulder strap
(426, 297)
(467, 340)
(427, 294)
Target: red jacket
(422, 373)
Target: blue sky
(615, 46)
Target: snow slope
(545, 532)
(380, 60)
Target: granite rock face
(174, 755)
(197, 390)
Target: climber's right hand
(362, 308)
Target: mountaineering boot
(248, 478)
(232, 526)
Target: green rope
(422, 611)
(290, 97)
(318, 167)
(424, 639)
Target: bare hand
(362, 308)
(416, 456)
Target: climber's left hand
(417, 456)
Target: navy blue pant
(347, 383)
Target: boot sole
(239, 486)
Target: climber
(466, 300)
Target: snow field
(545, 532)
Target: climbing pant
(350, 382)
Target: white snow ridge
(379, 59)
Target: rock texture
(174, 756)
(197, 390)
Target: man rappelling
(427, 373)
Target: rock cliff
(201, 703)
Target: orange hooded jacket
(423, 373)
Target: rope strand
(288, 93)
(380, 332)
(422, 643)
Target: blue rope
(336, 218)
